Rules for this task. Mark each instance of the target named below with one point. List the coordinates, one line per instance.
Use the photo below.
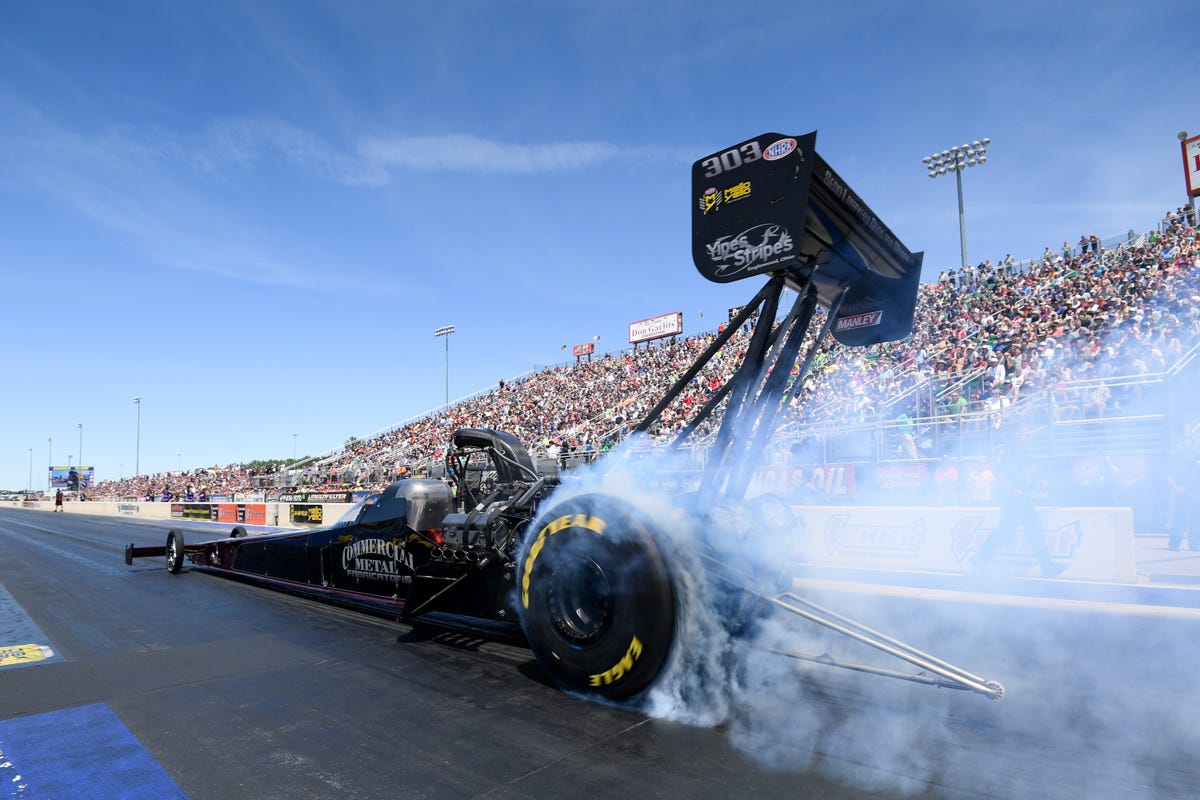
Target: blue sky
(254, 215)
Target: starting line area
(78, 752)
(84, 751)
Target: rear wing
(772, 205)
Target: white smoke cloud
(1064, 698)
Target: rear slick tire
(596, 598)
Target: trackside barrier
(1096, 544)
(280, 515)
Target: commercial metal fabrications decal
(377, 559)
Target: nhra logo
(779, 149)
(856, 321)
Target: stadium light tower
(137, 453)
(445, 331)
(955, 160)
(80, 426)
(294, 435)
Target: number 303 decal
(731, 159)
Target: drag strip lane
(138, 670)
(238, 691)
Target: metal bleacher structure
(1148, 415)
(1145, 415)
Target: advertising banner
(656, 327)
(1191, 165)
(201, 511)
(306, 512)
(323, 497)
(241, 513)
(1094, 543)
(825, 481)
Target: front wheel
(596, 598)
(174, 551)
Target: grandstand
(1089, 349)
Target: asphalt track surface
(235, 691)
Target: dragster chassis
(586, 581)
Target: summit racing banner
(1093, 543)
(192, 511)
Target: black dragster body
(587, 580)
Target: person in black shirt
(1013, 492)
(1184, 480)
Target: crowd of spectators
(199, 485)
(984, 337)
(1063, 323)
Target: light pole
(31, 470)
(80, 426)
(179, 462)
(445, 331)
(294, 435)
(955, 160)
(137, 454)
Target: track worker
(58, 498)
(1013, 492)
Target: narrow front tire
(175, 551)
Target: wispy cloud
(243, 141)
(182, 197)
(462, 152)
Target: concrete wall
(1095, 544)
(277, 515)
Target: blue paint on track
(76, 753)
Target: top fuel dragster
(587, 581)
